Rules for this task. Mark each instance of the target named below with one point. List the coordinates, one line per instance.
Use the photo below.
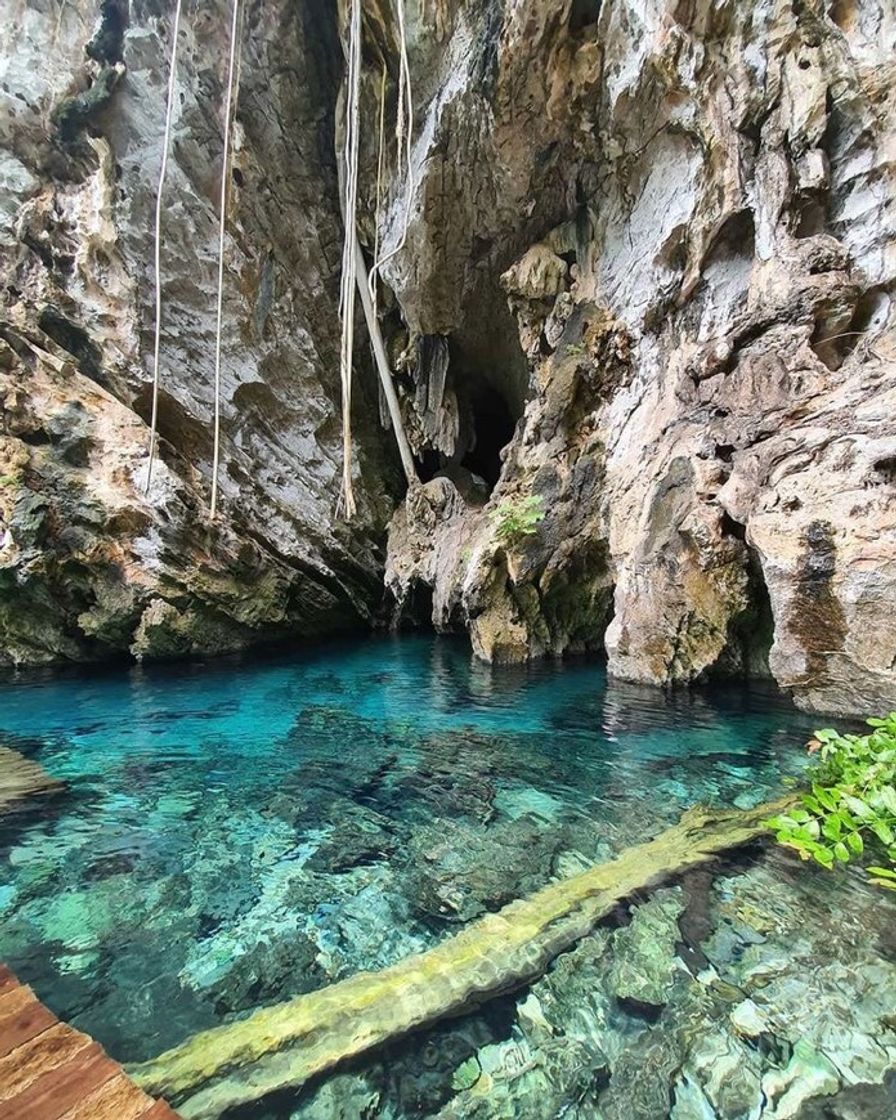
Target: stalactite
(169, 112)
(225, 175)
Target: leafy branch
(850, 810)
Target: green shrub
(851, 808)
(515, 518)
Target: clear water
(234, 833)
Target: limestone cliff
(648, 278)
(89, 565)
(690, 208)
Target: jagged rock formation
(648, 278)
(690, 208)
(88, 565)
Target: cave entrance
(493, 428)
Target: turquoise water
(234, 833)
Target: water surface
(233, 833)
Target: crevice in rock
(107, 44)
(415, 612)
(811, 214)
(750, 633)
(886, 469)
(176, 428)
(493, 427)
(584, 13)
(74, 340)
(834, 347)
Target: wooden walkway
(50, 1071)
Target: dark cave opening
(493, 428)
(752, 632)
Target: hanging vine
(349, 259)
(404, 129)
(166, 139)
(380, 164)
(225, 176)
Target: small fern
(515, 518)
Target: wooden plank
(55, 1047)
(15, 1000)
(116, 1099)
(55, 1092)
(50, 1071)
(16, 1030)
(160, 1111)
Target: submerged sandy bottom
(233, 834)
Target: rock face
(689, 206)
(89, 564)
(647, 279)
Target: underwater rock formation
(289, 1043)
(22, 778)
(647, 280)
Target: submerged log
(285, 1045)
(21, 778)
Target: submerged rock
(643, 955)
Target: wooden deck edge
(50, 1071)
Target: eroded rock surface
(647, 279)
(689, 208)
(89, 564)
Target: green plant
(515, 518)
(851, 807)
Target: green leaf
(854, 840)
(841, 852)
(859, 807)
(825, 797)
(882, 872)
(882, 831)
(887, 795)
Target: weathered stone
(647, 280)
(707, 327)
(644, 958)
(101, 568)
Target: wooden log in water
(21, 778)
(285, 1045)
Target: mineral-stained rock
(90, 564)
(647, 279)
(688, 211)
